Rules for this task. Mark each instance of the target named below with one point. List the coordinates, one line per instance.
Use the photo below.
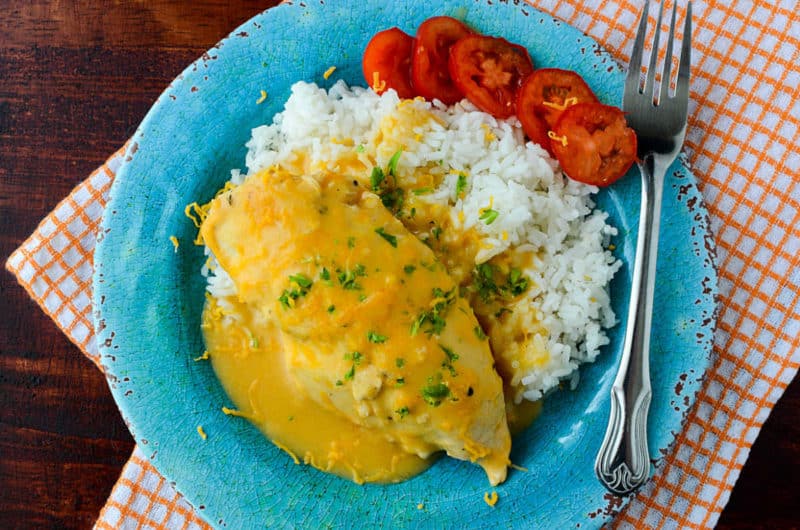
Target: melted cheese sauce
(247, 356)
(347, 343)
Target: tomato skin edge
(393, 68)
(430, 74)
(605, 117)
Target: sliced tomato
(489, 71)
(543, 97)
(593, 143)
(429, 72)
(387, 62)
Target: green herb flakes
(376, 338)
(289, 296)
(488, 216)
(388, 237)
(402, 412)
(301, 280)
(461, 184)
(376, 178)
(435, 393)
(392, 167)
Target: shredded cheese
(488, 135)
(561, 139)
(378, 85)
(329, 72)
(203, 357)
(287, 450)
(515, 466)
(420, 506)
(237, 413)
(201, 432)
(562, 106)
(175, 242)
(491, 500)
(260, 100)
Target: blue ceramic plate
(148, 298)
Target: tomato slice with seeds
(544, 96)
(429, 72)
(387, 62)
(489, 72)
(597, 146)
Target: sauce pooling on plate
(348, 342)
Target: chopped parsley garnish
(517, 283)
(392, 167)
(488, 288)
(400, 381)
(393, 199)
(361, 148)
(347, 279)
(399, 362)
(422, 191)
(461, 184)
(301, 280)
(354, 356)
(402, 412)
(488, 216)
(325, 275)
(331, 308)
(376, 178)
(484, 282)
(388, 237)
(288, 297)
(376, 338)
(435, 393)
(437, 231)
(451, 358)
(435, 317)
(408, 269)
(479, 333)
(351, 242)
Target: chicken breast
(372, 326)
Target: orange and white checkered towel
(742, 140)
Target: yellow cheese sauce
(348, 343)
(247, 356)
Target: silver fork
(623, 461)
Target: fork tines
(646, 84)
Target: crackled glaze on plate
(148, 298)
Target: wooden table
(75, 81)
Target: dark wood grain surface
(76, 78)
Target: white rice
(539, 209)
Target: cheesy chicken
(370, 360)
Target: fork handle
(623, 461)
